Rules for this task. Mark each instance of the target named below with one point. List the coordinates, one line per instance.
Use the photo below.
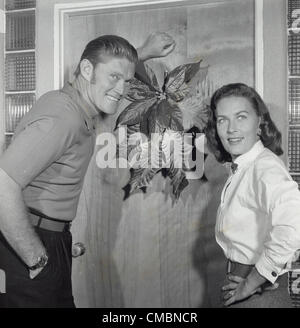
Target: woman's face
(237, 125)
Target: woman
(258, 220)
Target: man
(42, 172)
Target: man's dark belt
(43, 221)
(239, 269)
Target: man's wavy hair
(107, 45)
(270, 136)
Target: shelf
(20, 30)
(20, 72)
(19, 57)
(9, 11)
(19, 92)
(7, 52)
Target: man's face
(107, 85)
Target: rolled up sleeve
(280, 197)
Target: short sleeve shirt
(51, 151)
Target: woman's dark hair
(270, 136)
(107, 45)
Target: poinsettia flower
(166, 113)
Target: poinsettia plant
(162, 114)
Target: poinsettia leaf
(176, 119)
(181, 74)
(165, 116)
(175, 79)
(145, 123)
(164, 172)
(131, 129)
(134, 112)
(191, 70)
(141, 178)
(127, 144)
(194, 76)
(178, 180)
(156, 155)
(141, 73)
(151, 123)
(145, 126)
(169, 116)
(138, 90)
(134, 154)
(127, 188)
(147, 153)
(177, 95)
(171, 76)
(152, 77)
(175, 148)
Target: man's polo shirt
(51, 151)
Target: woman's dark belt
(243, 270)
(43, 221)
(239, 269)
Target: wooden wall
(147, 251)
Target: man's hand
(14, 222)
(158, 44)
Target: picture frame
(65, 12)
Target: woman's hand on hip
(238, 289)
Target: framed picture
(226, 35)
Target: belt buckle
(67, 227)
(228, 266)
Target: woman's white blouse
(258, 220)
